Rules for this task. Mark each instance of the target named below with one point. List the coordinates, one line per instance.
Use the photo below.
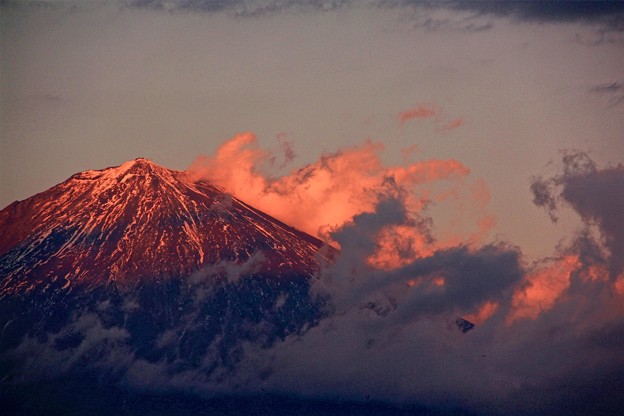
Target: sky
(440, 140)
(501, 87)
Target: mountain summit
(139, 221)
(141, 262)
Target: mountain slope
(135, 221)
(138, 265)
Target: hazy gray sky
(92, 84)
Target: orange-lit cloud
(398, 246)
(442, 122)
(419, 111)
(483, 313)
(594, 273)
(619, 285)
(480, 198)
(328, 193)
(544, 286)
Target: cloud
(609, 14)
(608, 87)
(195, 5)
(338, 186)
(547, 337)
(71, 348)
(417, 112)
(393, 335)
(615, 91)
(543, 288)
(441, 120)
(597, 195)
(456, 279)
(286, 146)
(239, 8)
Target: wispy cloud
(419, 111)
(239, 8)
(609, 87)
(609, 14)
(425, 111)
(614, 90)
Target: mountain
(136, 290)
(136, 221)
(141, 262)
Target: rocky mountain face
(135, 221)
(141, 259)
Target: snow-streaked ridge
(139, 220)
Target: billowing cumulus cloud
(328, 193)
(394, 334)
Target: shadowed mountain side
(140, 260)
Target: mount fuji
(140, 258)
(138, 221)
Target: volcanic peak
(140, 220)
(138, 166)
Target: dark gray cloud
(199, 5)
(542, 197)
(239, 7)
(471, 278)
(609, 87)
(393, 341)
(72, 347)
(597, 195)
(607, 13)
(450, 281)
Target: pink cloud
(326, 194)
(441, 120)
(420, 111)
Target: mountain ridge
(141, 262)
(140, 220)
